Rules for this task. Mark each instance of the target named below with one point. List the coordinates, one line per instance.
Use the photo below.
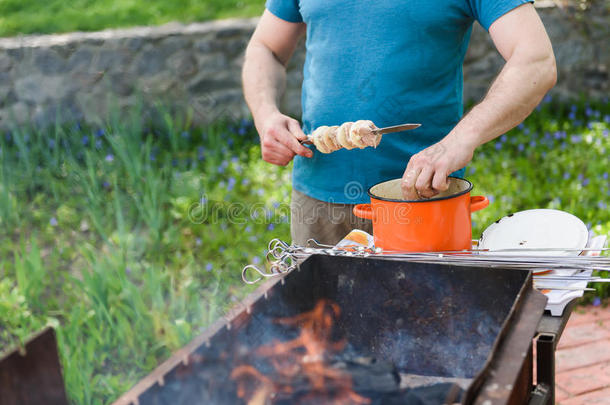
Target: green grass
(130, 239)
(54, 16)
(103, 234)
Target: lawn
(129, 239)
(53, 16)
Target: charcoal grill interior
(426, 319)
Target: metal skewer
(284, 258)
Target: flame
(304, 356)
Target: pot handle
(363, 211)
(478, 202)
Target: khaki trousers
(325, 222)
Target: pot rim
(468, 190)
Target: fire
(304, 357)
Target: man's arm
(528, 74)
(264, 80)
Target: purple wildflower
(85, 140)
(270, 227)
(198, 242)
(585, 182)
(209, 267)
(597, 302)
(498, 145)
(231, 184)
(98, 144)
(100, 132)
(109, 158)
(521, 147)
(53, 221)
(256, 260)
(566, 176)
(245, 182)
(504, 138)
(576, 138)
(51, 143)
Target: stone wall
(83, 75)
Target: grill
(427, 332)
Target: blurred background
(132, 190)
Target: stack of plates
(545, 232)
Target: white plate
(537, 229)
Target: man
(391, 62)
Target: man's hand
(426, 174)
(280, 137)
(528, 74)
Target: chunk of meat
(361, 134)
(317, 140)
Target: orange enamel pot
(438, 224)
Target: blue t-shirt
(387, 61)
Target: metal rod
(283, 257)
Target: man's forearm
(517, 90)
(264, 80)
